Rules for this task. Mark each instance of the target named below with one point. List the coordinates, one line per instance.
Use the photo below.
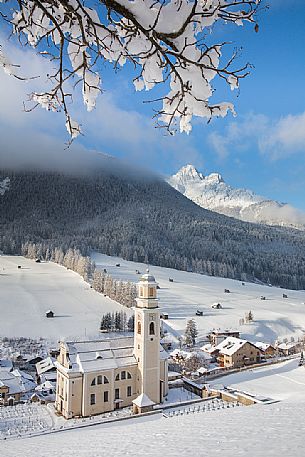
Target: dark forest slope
(144, 220)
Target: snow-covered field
(260, 430)
(27, 293)
(284, 381)
(275, 317)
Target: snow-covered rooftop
(262, 346)
(143, 400)
(17, 381)
(104, 354)
(230, 345)
(45, 365)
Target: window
(151, 291)
(106, 380)
(100, 379)
(141, 291)
(117, 378)
(123, 375)
(128, 375)
(116, 394)
(139, 327)
(106, 396)
(128, 391)
(152, 328)
(92, 399)
(93, 382)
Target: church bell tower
(147, 338)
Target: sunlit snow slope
(275, 317)
(27, 293)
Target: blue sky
(262, 149)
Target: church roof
(143, 400)
(106, 354)
(147, 277)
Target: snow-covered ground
(275, 317)
(260, 431)
(284, 381)
(27, 293)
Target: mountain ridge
(213, 193)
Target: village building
(235, 352)
(94, 377)
(266, 349)
(49, 313)
(217, 336)
(46, 370)
(288, 348)
(15, 386)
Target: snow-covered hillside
(275, 317)
(26, 294)
(211, 192)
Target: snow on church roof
(106, 354)
(148, 277)
(143, 400)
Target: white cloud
(276, 139)
(109, 128)
(284, 137)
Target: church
(94, 377)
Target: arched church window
(106, 380)
(152, 328)
(128, 375)
(141, 291)
(100, 379)
(139, 327)
(151, 291)
(93, 383)
(117, 378)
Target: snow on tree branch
(167, 41)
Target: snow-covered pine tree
(190, 333)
